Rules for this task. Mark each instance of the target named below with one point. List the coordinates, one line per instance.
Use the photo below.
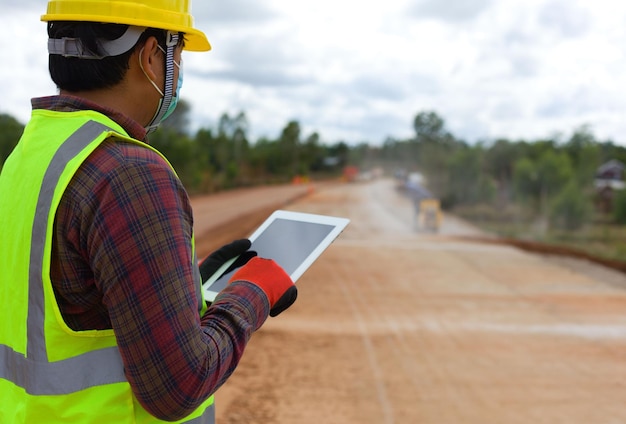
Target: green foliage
(539, 180)
(500, 159)
(468, 184)
(227, 159)
(430, 152)
(619, 207)
(584, 152)
(10, 132)
(526, 179)
(608, 151)
(289, 152)
(428, 125)
(571, 208)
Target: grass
(604, 240)
(601, 238)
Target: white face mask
(173, 97)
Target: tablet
(293, 239)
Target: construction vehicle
(429, 217)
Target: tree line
(549, 181)
(224, 157)
(220, 158)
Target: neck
(120, 98)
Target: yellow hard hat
(172, 15)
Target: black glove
(215, 260)
(285, 301)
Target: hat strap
(73, 47)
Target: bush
(10, 132)
(619, 207)
(571, 208)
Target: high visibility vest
(48, 372)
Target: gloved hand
(215, 260)
(272, 279)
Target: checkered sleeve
(137, 239)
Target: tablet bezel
(337, 223)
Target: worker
(103, 318)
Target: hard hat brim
(196, 41)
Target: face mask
(179, 84)
(173, 98)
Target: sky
(360, 71)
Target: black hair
(76, 74)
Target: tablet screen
(297, 239)
(294, 240)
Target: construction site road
(393, 325)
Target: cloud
(357, 70)
(565, 18)
(25, 64)
(255, 77)
(377, 87)
(209, 14)
(244, 51)
(449, 11)
(9, 5)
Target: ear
(149, 58)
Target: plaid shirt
(121, 259)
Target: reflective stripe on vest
(33, 372)
(27, 372)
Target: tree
(289, 143)
(609, 150)
(571, 208)
(537, 181)
(365, 156)
(312, 154)
(619, 207)
(341, 151)
(266, 160)
(240, 139)
(499, 163)
(467, 182)
(428, 125)
(584, 153)
(10, 132)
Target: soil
(396, 325)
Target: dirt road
(395, 326)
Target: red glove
(272, 279)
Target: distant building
(613, 170)
(609, 179)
